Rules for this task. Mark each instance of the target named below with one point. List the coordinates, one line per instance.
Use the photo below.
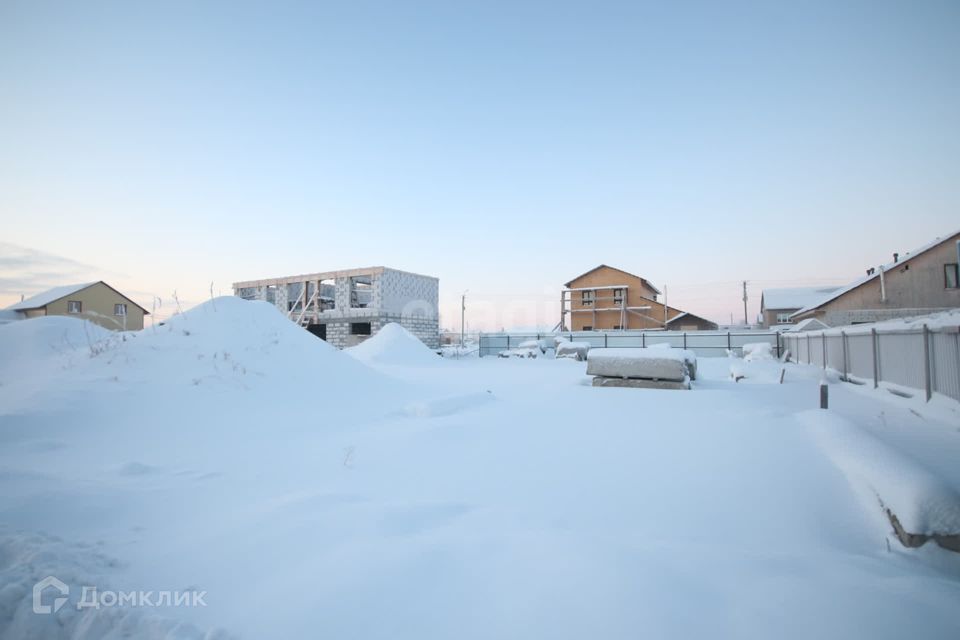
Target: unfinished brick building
(346, 307)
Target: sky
(503, 147)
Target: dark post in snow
(824, 394)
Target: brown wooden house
(610, 299)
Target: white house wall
(409, 299)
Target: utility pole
(463, 313)
(665, 300)
(745, 322)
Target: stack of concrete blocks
(643, 368)
(409, 299)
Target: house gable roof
(793, 298)
(49, 296)
(887, 267)
(687, 314)
(606, 266)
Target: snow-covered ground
(386, 492)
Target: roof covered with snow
(810, 324)
(794, 297)
(44, 298)
(910, 255)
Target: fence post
(605, 341)
(728, 341)
(684, 339)
(508, 341)
(823, 347)
(876, 358)
(643, 339)
(928, 388)
(778, 344)
(843, 343)
(808, 349)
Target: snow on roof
(876, 274)
(44, 298)
(795, 297)
(810, 324)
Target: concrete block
(637, 383)
(650, 364)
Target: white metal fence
(923, 359)
(703, 343)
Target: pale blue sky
(504, 147)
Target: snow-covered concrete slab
(651, 364)
(567, 349)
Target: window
(618, 296)
(587, 328)
(359, 328)
(950, 276)
(295, 296)
(783, 318)
(74, 306)
(586, 297)
(119, 309)
(328, 294)
(361, 292)
(617, 327)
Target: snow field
(311, 494)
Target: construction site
(346, 307)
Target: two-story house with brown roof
(610, 299)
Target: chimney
(896, 257)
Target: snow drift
(921, 503)
(757, 351)
(394, 345)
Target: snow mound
(394, 345)
(567, 349)
(236, 341)
(223, 343)
(921, 501)
(46, 337)
(756, 351)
